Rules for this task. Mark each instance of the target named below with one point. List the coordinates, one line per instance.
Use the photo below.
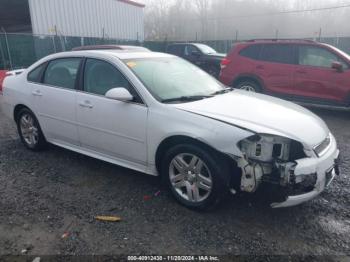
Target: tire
(213, 71)
(29, 130)
(200, 188)
(249, 86)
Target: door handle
(86, 104)
(260, 67)
(37, 93)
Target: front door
(316, 79)
(111, 128)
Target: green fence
(22, 50)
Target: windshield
(206, 49)
(173, 78)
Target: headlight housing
(266, 148)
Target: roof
(120, 54)
(281, 41)
(111, 47)
(130, 2)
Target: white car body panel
(129, 134)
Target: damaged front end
(296, 173)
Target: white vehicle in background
(161, 115)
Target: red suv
(299, 70)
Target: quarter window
(62, 72)
(252, 52)
(319, 57)
(100, 77)
(35, 75)
(281, 53)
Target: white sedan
(161, 115)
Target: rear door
(276, 66)
(54, 99)
(316, 79)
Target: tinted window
(176, 49)
(277, 53)
(315, 56)
(189, 49)
(252, 52)
(100, 77)
(35, 75)
(62, 72)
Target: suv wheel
(249, 86)
(29, 130)
(193, 176)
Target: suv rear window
(278, 53)
(252, 52)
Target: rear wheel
(195, 177)
(249, 85)
(29, 130)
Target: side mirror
(337, 66)
(120, 94)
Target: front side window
(189, 49)
(171, 78)
(277, 53)
(35, 74)
(318, 57)
(62, 72)
(100, 77)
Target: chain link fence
(22, 50)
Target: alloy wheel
(29, 130)
(190, 177)
(248, 88)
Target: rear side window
(176, 49)
(36, 74)
(252, 52)
(62, 72)
(277, 53)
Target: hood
(262, 114)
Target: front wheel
(195, 177)
(249, 86)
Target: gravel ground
(44, 195)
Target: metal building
(118, 19)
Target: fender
(251, 76)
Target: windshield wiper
(185, 98)
(223, 91)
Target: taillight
(225, 62)
(3, 74)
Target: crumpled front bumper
(326, 168)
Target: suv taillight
(225, 62)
